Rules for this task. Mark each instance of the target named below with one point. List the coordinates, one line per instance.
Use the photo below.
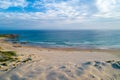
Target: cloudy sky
(59, 14)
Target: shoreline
(111, 51)
(114, 52)
(66, 48)
(25, 46)
(70, 49)
(11, 37)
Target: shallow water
(104, 39)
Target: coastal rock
(24, 42)
(12, 36)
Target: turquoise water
(100, 39)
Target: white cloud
(108, 8)
(59, 12)
(69, 10)
(74, 10)
(4, 4)
(106, 5)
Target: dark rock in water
(11, 36)
(14, 42)
(23, 42)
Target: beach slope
(62, 64)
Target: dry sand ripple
(95, 70)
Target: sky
(60, 14)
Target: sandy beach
(62, 64)
(59, 39)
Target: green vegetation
(8, 53)
(7, 56)
(0, 48)
(1, 36)
(9, 60)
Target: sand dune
(87, 71)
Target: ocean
(83, 39)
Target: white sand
(53, 64)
